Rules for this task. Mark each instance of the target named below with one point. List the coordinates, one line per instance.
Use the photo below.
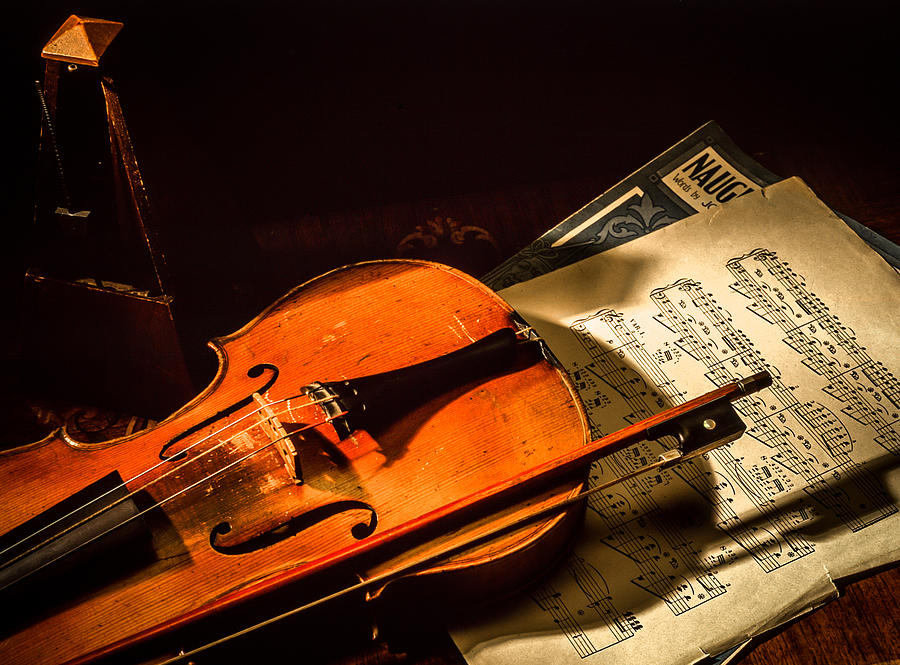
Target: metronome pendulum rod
(57, 154)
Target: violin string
(359, 586)
(434, 558)
(131, 493)
(142, 473)
(175, 495)
(667, 459)
(528, 333)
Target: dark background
(279, 140)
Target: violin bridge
(277, 434)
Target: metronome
(99, 321)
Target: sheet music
(702, 171)
(678, 565)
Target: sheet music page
(678, 565)
(704, 170)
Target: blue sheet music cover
(703, 170)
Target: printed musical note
(594, 607)
(806, 438)
(737, 540)
(624, 364)
(780, 296)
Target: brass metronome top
(81, 40)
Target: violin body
(225, 520)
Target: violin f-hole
(253, 372)
(294, 526)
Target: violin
(385, 430)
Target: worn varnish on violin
(370, 421)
